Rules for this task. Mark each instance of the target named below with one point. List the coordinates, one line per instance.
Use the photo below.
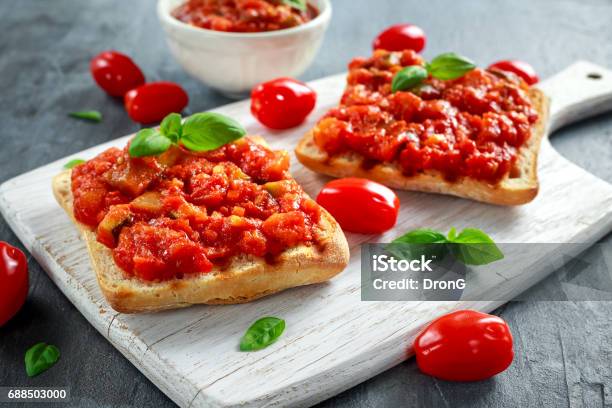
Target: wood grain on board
(333, 340)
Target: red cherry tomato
(153, 101)
(360, 205)
(464, 346)
(13, 281)
(282, 103)
(116, 73)
(401, 37)
(520, 68)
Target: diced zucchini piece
(116, 217)
(150, 202)
(278, 188)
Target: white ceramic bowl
(235, 62)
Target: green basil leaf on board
(449, 66)
(474, 247)
(470, 236)
(452, 233)
(209, 131)
(91, 115)
(171, 127)
(296, 4)
(422, 236)
(413, 244)
(73, 163)
(149, 142)
(262, 333)
(40, 358)
(408, 78)
(471, 246)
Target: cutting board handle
(580, 91)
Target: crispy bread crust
(521, 188)
(246, 278)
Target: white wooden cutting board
(333, 340)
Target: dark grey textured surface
(563, 349)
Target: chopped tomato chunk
(155, 252)
(287, 228)
(92, 198)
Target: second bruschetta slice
(476, 136)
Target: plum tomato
(360, 205)
(153, 101)
(520, 68)
(401, 37)
(115, 72)
(465, 345)
(282, 103)
(13, 281)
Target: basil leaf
(452, 234)
(296, 4)
(470, 236)
(208, 131)
(408, 78)
(171, 127)
(149, 142)
(450, 66)
(419, 242)
(73, 163)
(422, 236)
(92, 115)
(200, 132)
(40, 358)
(262, 333)
(473, 247)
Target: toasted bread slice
(246, 278)
(518, 187)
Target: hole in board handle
(594, 75)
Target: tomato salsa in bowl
(245, 16)
(242, 47)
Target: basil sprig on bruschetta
(445, 66)
(471, 246)
(199, 132)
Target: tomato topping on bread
(233, 215)
(475, 136)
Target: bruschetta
(476, 136)
(225, 226)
